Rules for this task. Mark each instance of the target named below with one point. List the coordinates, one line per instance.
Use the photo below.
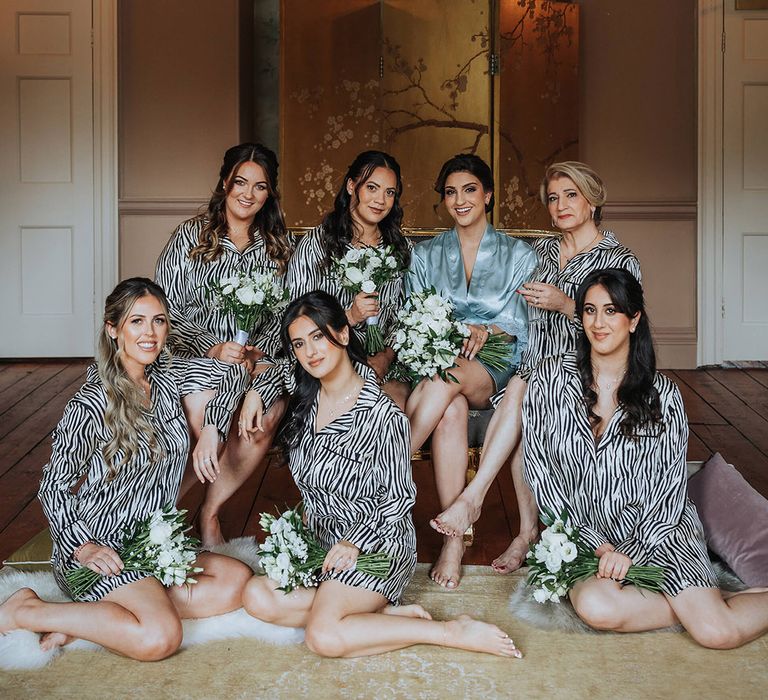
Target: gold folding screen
(416, 78)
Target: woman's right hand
(252, 409)
(101, 559)
(363, 306)
(232, 353)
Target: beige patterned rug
(556, 664)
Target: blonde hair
(125, 416)
(586, 179)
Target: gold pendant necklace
(568, 258)
(333, 409)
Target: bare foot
(406, 611)
(455, 519)
(10, 608)
(446, 571)
(53, 640)
(210, 531)
(514, 555)
(473, 635)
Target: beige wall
(179, 110)
(638, 130)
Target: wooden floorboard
(727, 411)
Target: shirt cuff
(363, 537)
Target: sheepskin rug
(20, 649)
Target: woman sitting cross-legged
(480, 270)
(349, 453)
(605, 436)
(126, 434)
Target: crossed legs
(711, 620)
(343, 621)
(140, 620)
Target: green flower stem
(374, 340)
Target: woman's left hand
(252, 357)
(478, 336)
(342, 557)
(548, 297)
(205, 458)
(613, 565)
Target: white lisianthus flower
(277, 526)
(374, 262)
(165, 559)
(554, 561)
(246, 295)
(353, 275)
(227, 290)
(368, 287)
(541, 595)
(390, 262)
(568, 551)
(258, 297)
(554, 597)
(540, 552)
(160, 532)
(353, 255)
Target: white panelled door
(46, 179)
(745, 185)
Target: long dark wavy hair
(268, 221)
(466, 163)
(324, 310)
(636, 394)
(338, 226)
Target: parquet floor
(727, 411)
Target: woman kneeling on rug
(350, 456)
(125, 432)
(605, 437)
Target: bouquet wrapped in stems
(428, 340)
(293, 557)
(366, 270)
(562, 558)
(158, 545)
(249, 298)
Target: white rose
(354, 275)
(227, 290)
(374, 262)
(160, 533)
(258, 297)
(368, 287)
(390, 262)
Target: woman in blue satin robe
(480, 271)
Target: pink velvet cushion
(735, 519)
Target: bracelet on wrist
(77, 551)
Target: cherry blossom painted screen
(413, 77)
(538, 104)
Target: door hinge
(381, 66)
(722, 43)
(493, 64)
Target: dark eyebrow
(312, 332)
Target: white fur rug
(563, 618)
(20, 649)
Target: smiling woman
(366, 214)
(241, 232)
(123, 438)
(480, 270)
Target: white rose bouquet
(249, 297)
(292, 556)
(158, 545)
(366, 270)
(562, 558)
(428, 340)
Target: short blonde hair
(586, 179)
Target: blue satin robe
(503, 264)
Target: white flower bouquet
(158, 545)
(293, 557)
(366, 270)
(249, 297)
(562, 558)
(428, 340)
